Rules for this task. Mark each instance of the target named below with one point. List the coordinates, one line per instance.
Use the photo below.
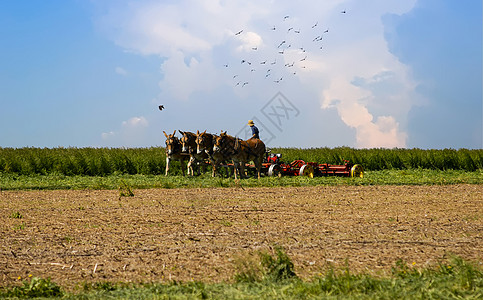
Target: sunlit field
(389, 234)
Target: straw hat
(250, 123)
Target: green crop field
(151, 161)
(105, 168)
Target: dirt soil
(159, 235)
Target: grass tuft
(33, 288)
(125, 189)
(16, 215)
(270, 267)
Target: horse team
(218, 150)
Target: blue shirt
(255, 132)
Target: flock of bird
(275, 66)
(284, 57)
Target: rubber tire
(274, 171)
(357, 171)
(307, 170)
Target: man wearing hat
(254, 129)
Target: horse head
(203, 142)
(172, 143)
(219, 141)
(187, 141)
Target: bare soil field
(199, 234)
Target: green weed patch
(454, 279)
(126, 182)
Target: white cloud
(132, 133)
(107, 135)
(384, 132)
(183, 78)
(249, 41)
(135, 122)
(121, 71)
(353, 73)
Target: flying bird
(161, 107)
(291, 28)
(263, 62)
(245, 83)
(278, 81)
(316, 23)
(239, 32)
(327, 30)
(343, 12)
(303, 59)
(286, 17)
(280, 45)
(274, 28)
(226, 66)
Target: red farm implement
(273, 166)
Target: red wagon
(273, 166)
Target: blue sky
(376, 73)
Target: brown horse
(189, 146)
(250, 150)
(205, 143)
(240, 151)
(220, 159)
(204, 147)
(223, 148)
(173, 151)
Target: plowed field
(197, 234)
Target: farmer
(255, 134)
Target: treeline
(152, 161)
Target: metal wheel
(307, 170)
(274, 171)
(357, 171)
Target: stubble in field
(199, 234)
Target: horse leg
(217, 165)
(235, 169)
(258, 165)
(187, 167)
(190, 166)
(242, 170)
(167, 166)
